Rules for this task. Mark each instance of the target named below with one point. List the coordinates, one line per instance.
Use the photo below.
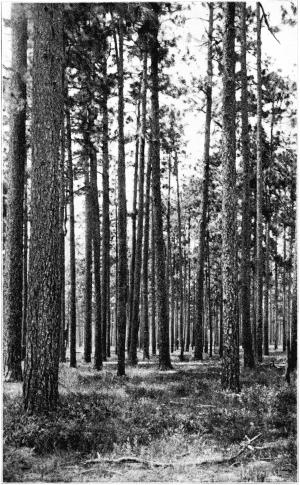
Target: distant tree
(246, 227)
(40, 388)
(230, 364)
(203, 208)
(15, 199)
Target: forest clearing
(178, 425)
(149, 241)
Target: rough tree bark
(40, 388)
(15, 198)
(246, 228)
(259, 182)
(230, 363)
(162, 303)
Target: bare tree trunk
(203, 209)
(139, 240)
(14, 240)
(88, 266)
(40, 389)
(162, 303)
(153, 290)
(122, 211)
(145, 260)
(259, 182)
(246, 234)
(73, 362)
(230, 364)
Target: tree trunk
(246, 234)
(259, 181)
(198, 328)
(62, 222)
(88, 264)
(73, 362)
(230, 364)
(153, 289)
(25, 270)
(134, 214)
(145, 260)
(122, 211)
(40, 388)
(267, 288)
(284, 292)
(139, 239)
(105, 212)
(162, 303)
(180, 280)
(15, 199)
(99, 353)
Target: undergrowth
(157, 415)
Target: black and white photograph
(149, 242)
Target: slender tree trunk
(15, 199)
(267, 289)
(73, 362)
(293, 353)
(276, 299)
(221, 320)
(203, 209)
(139, 240)
(153, 289)
(230, 364)
(259, 182)
(209, 300)
(99, 346)
(40, 389)
(145, 260)
(122, 211)
(246, 235)
(105, 213)
(25, 270)
(180, 280)
(134, 214)
(162, 303)
(88, 266)
(62, 217)
(284, 292)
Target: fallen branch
(125, 459)
(134, 459)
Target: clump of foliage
(82, 423)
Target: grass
(180, 417)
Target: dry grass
(179, 418)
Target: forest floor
(153, 426)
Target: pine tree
(15, 199)
(40, 388)
(230, 364)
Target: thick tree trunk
(40, 388)
(162, 303)
(72, 320)
(259, 182)
(198, 329)
(284, 312)
(15, 199)
(246, 234)
(139, 239)
(62, 222)
(230, 364)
